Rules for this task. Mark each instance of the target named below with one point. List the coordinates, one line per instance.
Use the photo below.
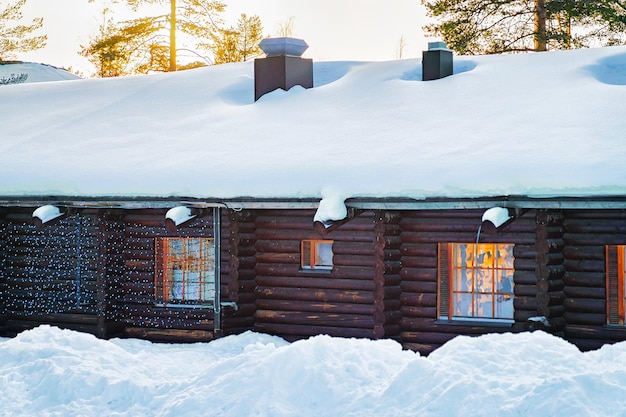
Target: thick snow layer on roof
(547, 124)
(36, 72)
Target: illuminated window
(316, 254)
(476, 281)
(615, 284)
(185, 272)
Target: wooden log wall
(50, 274)
(240, 240)
(421, 233)
(387, 268)
(295, 303)
(3, 255)
(134, 304)
(110, 271)
(586, 234)
(550, 270)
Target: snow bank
(36, 72)
(52, 372)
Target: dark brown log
(284, 270)
(545, 299)
(584, 265)
(522, 290)
(589, 239)
(589, 305)
(290, 234)
(419, 251)
(608, 226)
(525, 303)
(315, 307)
(525, 264)
(585, 318)
(550, 311)
(524, 251)
(550, 258)
(587, 214)
(549, 245)
(418, 287)
(430, 337)
(307, 294)
(421, 348)
(549, 232)
(169, 335)
(549, 218)
(550, 285)
(421, 300)
(320, 319)
(585, 279)
(419, 311)
(305, 331)
(419, 262)
(419, 274)
(524, 278)
(522, 316)
(315, 282)
(550, 272)
(585, 292)
(584, 252)
(601, 334)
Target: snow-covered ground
(548, 124)
(35, 72)
(53, 372)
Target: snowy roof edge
(521, 202)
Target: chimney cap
(438, 45)
(283, 46)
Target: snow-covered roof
(535, 125)
(35, 73)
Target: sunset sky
(368, 30)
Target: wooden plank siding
(586, 235)
(421, 233)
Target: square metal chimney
(282, 67)
(436, 62)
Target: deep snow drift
(37, 73)
(52, 372)
(546, 124)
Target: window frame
(446, 290)
(615, 287)
(308, 256)
(162, 265)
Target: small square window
(316, 254)
(185, 270)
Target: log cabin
(372, 203)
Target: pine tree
(16, 37)
(495, 26)
(238, 43)
(148, 42)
